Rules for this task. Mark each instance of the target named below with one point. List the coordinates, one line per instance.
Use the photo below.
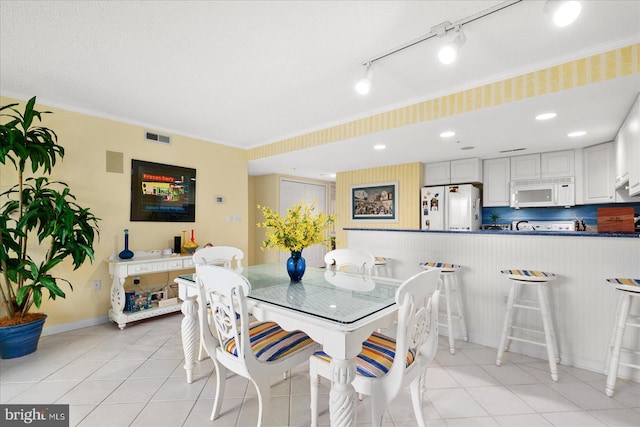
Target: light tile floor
(135, 377)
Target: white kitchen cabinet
(497, 173)
(453, 172)
(632, 124)
(466, 171)
(599, 173)
(437, 173)
(623, 153)
(557, 164)
(525, 167)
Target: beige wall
(221, 170)
(409, 176)
(266, 192)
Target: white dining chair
(256, 351)
(379, 373)
(350, 260)
(225, 256)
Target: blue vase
(126, 254)
(296, 266)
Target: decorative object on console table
(37, 217)
(615, 220)
(298, 229)
(191, 246)
(126, 253)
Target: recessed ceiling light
(379, 147)
(447, 134)
(576, 133)
(546, 116)
(332, 175)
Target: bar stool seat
(448, 285)
(628, 289)
(381, 266)
(539, 279)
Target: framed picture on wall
(378, 202)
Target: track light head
(448, 53)
(363, 86)
(563, 12)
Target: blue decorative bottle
(296, 266)
(126, 253)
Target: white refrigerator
(451, 207)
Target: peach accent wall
(221, 170)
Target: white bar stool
(449, 281)
(539, 279)
(381, 267)
(628, 289)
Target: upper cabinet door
(599, 174)
(437, 173)
(633, 124)
(466, 171)
(557, 164)
(496, 182)
(525, 167)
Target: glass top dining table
(336, 296)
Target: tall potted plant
(36, 216)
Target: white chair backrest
(218, 255)
(418, 299)
(225, 291)
(350, 260)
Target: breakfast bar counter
(583, 305)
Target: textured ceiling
(247, 74)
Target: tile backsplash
(586, 213)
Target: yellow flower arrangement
(297, 230)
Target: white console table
(141, 263)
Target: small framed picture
(378, 202)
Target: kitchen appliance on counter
(451, 207)
(543, 226)
(538, 193)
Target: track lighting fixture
(448, 53)
(563, 12)
(363, 86)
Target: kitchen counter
(582, 302)
(510, 232)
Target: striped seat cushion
(529, 275)
(376, 356)
(625, 284)
(270, 342)
(441, 265)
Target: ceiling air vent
(512, 150)
(156, 137)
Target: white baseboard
(66, 327)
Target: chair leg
(548, 331)
(508, 321)
(621, 322)
(263, 387)
(416, 398)
(447, 293)
(458, 298)
(221, 381)
(315, 383)
(377, 411)
(613, 334)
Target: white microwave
(537, 193)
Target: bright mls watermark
(34, 415)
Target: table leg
(342, 398)
(189, 334)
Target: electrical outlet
(136, 280)
(97, 285)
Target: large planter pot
(20, 340)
